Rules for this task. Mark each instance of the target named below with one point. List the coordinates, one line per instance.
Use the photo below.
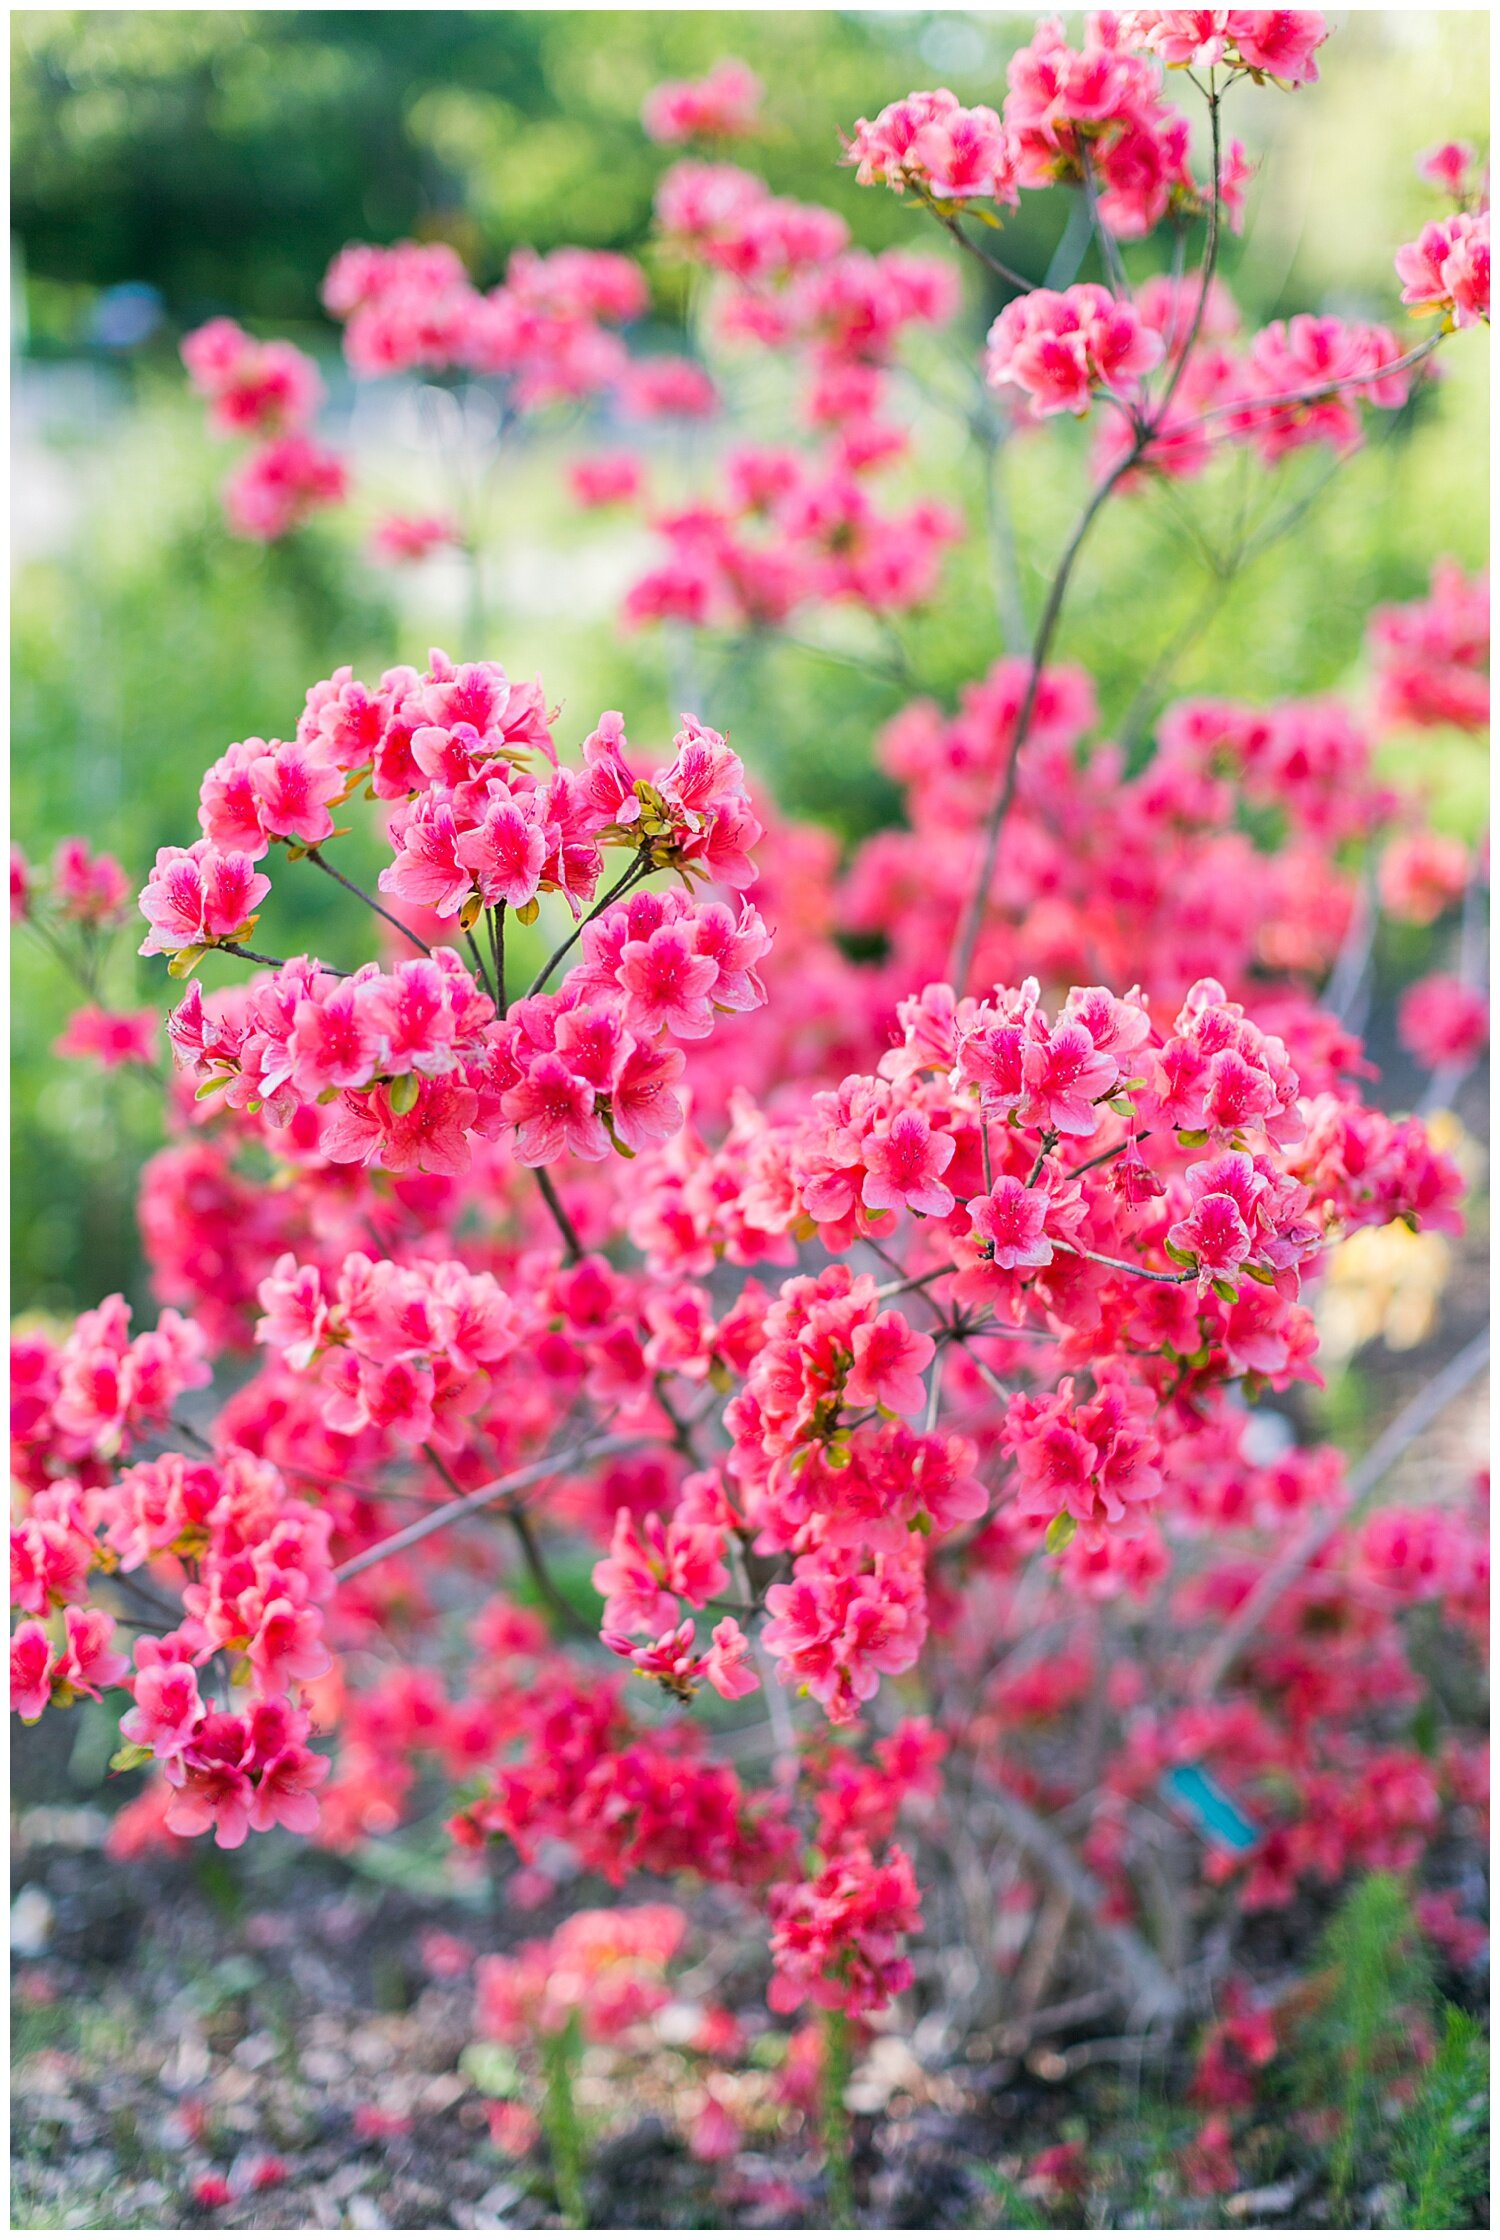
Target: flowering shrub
(895, 1333)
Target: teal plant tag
(1213, 1813)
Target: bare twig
(638, 868)
(1005, 574)
(1317, 395)
(1155, 1994)
(571, 1244)
(1404, 1429)
(1109, 248)
(950, 224)
(487, 1497)
(542, 1579)
(1138, 716)
(973, 916)
(1347, 976)
(910, 1283)
(256, 956)
(314, 856)
(1126, 1267)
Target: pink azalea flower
(32, 1661)
(667, 986)
(722, 106)
(1011, 1221)
(1064, 1078)
(1215, 1235)
(428, 870)
(199, 895)
(1443, 1021)
(168, 1709)
(87, 1662)
(552, 1111)
(505, 851)
(610, 480)
(904, 1168)
(283, 1795)
(293, 786)
(111, 1038)
(889, 1357)
(91, 888)
(400, 537)
(725, 1667)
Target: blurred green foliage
(225, 156)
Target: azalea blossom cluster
(402, 1348)
(724, 105)
(1432, 657)
(270, 390)
(1445, 272)
(884, 1281)
(1096, 115)
(608, 1967)
(1157, 875)
(252, 1565)
(1279, 43)
(84, 894)
(403, 537)
(1060, 348)
(788, 532)
(1093, 114)
(548, 332)
(411, 1062)
(79, 1404)
(795, 527)
(1300, 382)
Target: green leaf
(1424, 1727)
(609, 1128)
(404, 1092)
(187, 961)
(1060, 1532)
(493, 2069)
(129, 1756)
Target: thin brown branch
(1416, 1417)
(571, 1244)
(314, 856)
(1156, 1995)
(911, 1283)
(950, 225)
(1126, 1267)
(638, 868)
(973, 917)
(1316, 395)
(487, 1497)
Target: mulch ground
(178, 2020)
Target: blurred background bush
(169, 166)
